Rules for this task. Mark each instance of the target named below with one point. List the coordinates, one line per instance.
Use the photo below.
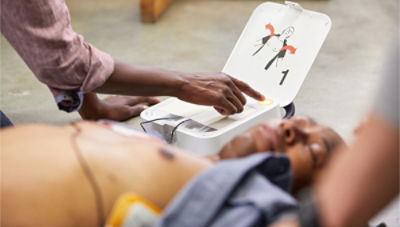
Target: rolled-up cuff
(102, 66)
(68, 101)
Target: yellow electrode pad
(132, 208)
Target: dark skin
(361, 187)
(114, 107)
(366, 185)
(306, 142)
(219, 90)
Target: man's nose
(292, 133)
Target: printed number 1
(284, 76)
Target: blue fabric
(4, 121)
(251, 191)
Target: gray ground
(198, 35)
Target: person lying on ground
(73, 175)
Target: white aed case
(273, 55)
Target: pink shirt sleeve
(41, 33)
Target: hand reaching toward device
(219, 90)
(116, 108)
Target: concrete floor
(198, 35)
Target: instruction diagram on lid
(277, 48)
(277, 43)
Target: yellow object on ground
(123, 211)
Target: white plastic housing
(273, 55)
(199, 140)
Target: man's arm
(361, 180)
(214, 89)
(41, 33)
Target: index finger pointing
(247, 89)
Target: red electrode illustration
(277, 43)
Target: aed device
(273, 55)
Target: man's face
(305, 142)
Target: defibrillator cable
(89, 174)
(157, 119)
(175, 128)
(166, 118)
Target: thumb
(220, 110)
(136, 110)
(152, 100)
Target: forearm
(361, 180)
(129, 79)
(212, 89)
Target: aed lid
(277, 48)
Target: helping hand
(117, 108)
(219, 90)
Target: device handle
(289, 110)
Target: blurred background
(198, 35)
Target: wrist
(179, 85)
(91, 108)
